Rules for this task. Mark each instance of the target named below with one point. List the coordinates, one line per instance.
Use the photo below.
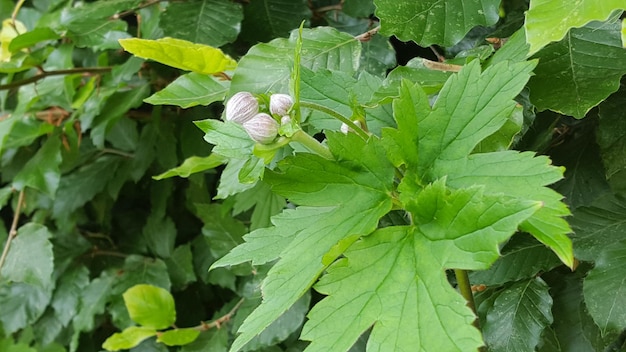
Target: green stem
(462, 279)
(356, 128)
(83, 70)
(312, 144)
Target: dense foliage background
(96, 215)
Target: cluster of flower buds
(243, 108)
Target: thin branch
(217, 323)
(462, 279)
(131, 11)
(13, 230)
(364, 37)
(440, 57)
(116, 152)
(16, 9)
(99, 252)
(44, 74)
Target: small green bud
(262, 128)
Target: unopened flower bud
(241, 107)
(262, 128)
(280, 104)
(285, 120)
(345, 128)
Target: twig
(13, 230)
(133, 10)
(116, 152)
(16, 9)
(219, 321)
(44, 74)
(462, 279)
(364, 37)
(440, 57)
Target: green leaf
(338, 199)
(358, 8)
(129, 338)
(181, 54)
(475, 105)
(68, 293)
(30, 38)
(178, 337)
(41, 172)
(180, 266)
(518, 317)
(220, 229)
(520, 175)
(378, 56)
(550, 20)
(264, 203)
(22, 304)
(93, 300)
(611, 136)
(391, 265)
(588, 64)
(522, 257)
(267, 66)
(434, 21)
(598, 224)
(83, 184)
(229, 138)
(605, 290)
(150, 306)
(210, 22)
(160, 234)
(265, 20)
(30, 259)
(574, 328)
(190, 90)
(215, 340)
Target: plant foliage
(468, 197)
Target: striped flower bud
(262, 128)
(241, 107)
(280, 104)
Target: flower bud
(280, 104)
(262, 128)
(285, 120)
(345, 128)
(241, 107)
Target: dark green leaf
(522, 257)
(434, 22)
(605, 289)
(30, 259)
(598, 224)
(180, 266)
(264, 203)
(215, 340)
(26, 130)
(222, 232)
(31, 38)
(68, 292)
(160, 234)
(150, 306)
(378, 56)
(42, 171)
(267, 19)
(93, 301)
(358, 8)
(611, 137)
(190, 90)
(518, 317)
(210, 22)
(588, 64)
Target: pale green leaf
(193, 165)
(229, 138)
(550, 20)
(190, 90)
(390, 280)
(210, 22)
(31, 38)
(605, 289)
(429, 22)
(417, 70)
(340, 199)
(178, 337)
(150, 306)
(129, 338)
(42, 172)
(588, 64)
(181, 54)
(518, 317)
(267, 66)
(30, 259)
